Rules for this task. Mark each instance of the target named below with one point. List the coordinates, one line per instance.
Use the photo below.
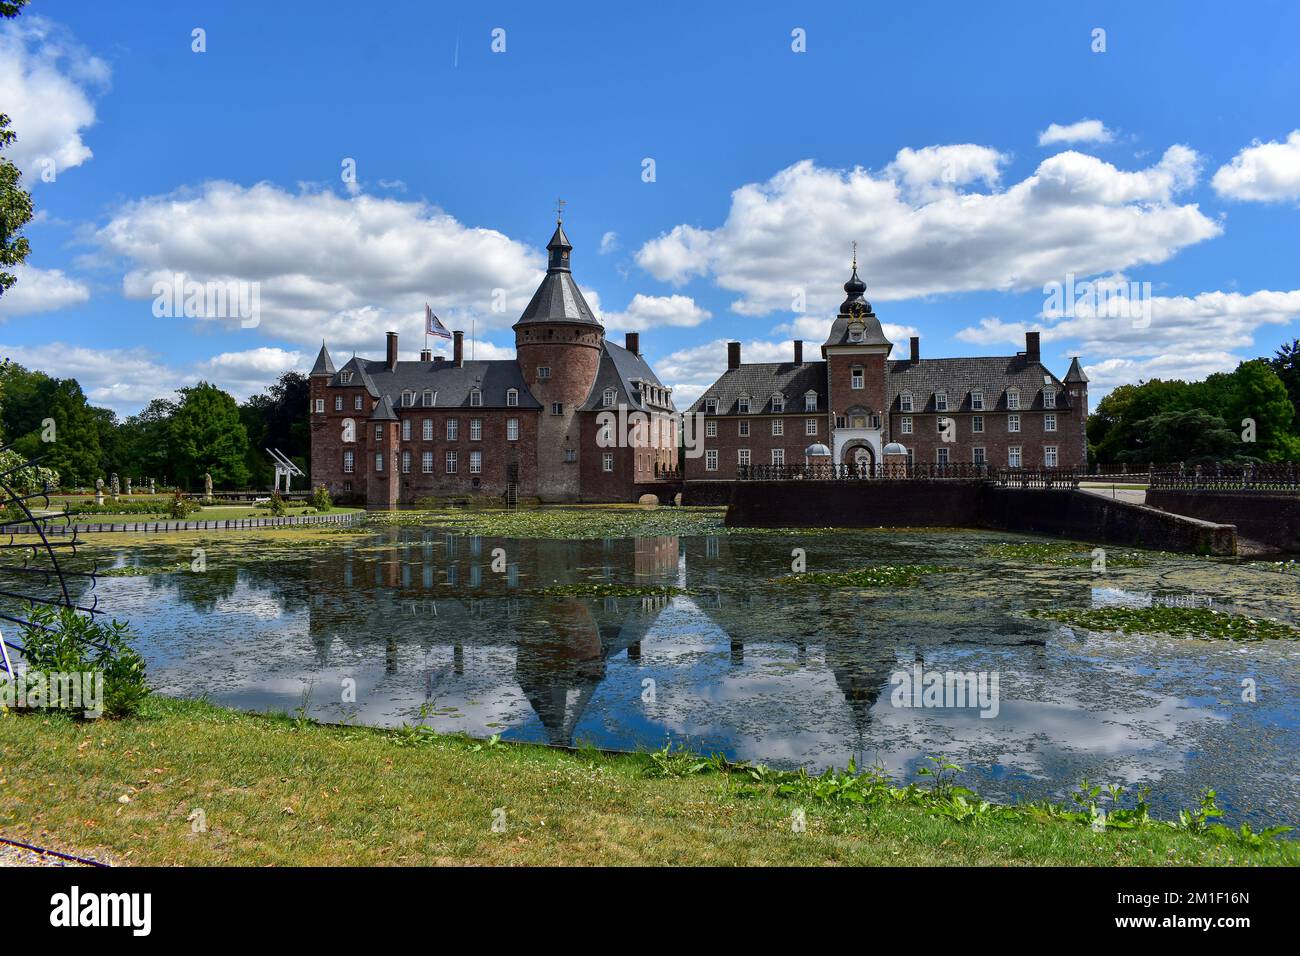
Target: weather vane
(855, 255)
(559, 211)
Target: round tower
(558, 344)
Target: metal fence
(1280, 477)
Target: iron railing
(1009, 477)
(1274, 477)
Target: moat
(637, 642)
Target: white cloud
(49, 82)
(121, 379)
(608, 243)
(935, 171)
(41, 290)
(814, 330)
(1263, 172)
(650, 312)
(345, 268)
(1106, 375)
(1084, 131)
(1075, 214)
(690, 371)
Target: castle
(857, 406)
(388, 433)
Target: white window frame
(476, 463)
(1049, 398)
(710, 406)
(426, 463)
(607, 461)
(1049, 423)
(475, 398)
(349, 462)
(940, 401)
(476, 429)
(810, 403)
(512, 429)
(977, 424)
(1051, 456)
(742, 405)
(543, 372)
(857, 378)
(778, 456)
(429, 397)
(977, 400)
(607, 398)
(1013, 424)
(451, 461)
(406, 462)
(710, 459)
(453, 429)
(905, 402)
(941, 456)
(810, 426)
(406, 429)
(426, 430)
(742, 429)
(778, 426)
(711, 429)
(557, 408)
(742, 457)
(1014, 458)
(356, 402)
(320, 406)
(338, 403)
(778, 403)
(978, 455)
(1013, 399)
(905, 425)
(379, 462)
(512, 398)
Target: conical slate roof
(324, 365)
(1075, 374)
(384, 411)
(558, 298)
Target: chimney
(632, 341)
(916, 348)
(1032, 353)
(392, 351)
(798, 351)
(426, 355)
(438, 360)
(733, 355)
(458, 348)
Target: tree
(1286, 366)
(145, 443)
(207, 436)
(15, 202)
(49, 418)
(1258, 395)
(277, 418)
(1193, 436)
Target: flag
(432, 325)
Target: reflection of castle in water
(423, 591)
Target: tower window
(608, 398)
(557, 408)
(855, 377)
(543, 372)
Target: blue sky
(974, 151)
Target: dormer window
(1013, 398)
(1049, 398)
(810, 402)
(940, 401)
(608, 398)
(345, 378)
(475, 398)
(778, 403)
(408, 398)
(428, 398)
(905, 402)
(512, 398)
(742, 405)
(710, 406)
(856, 333)
(977, 400)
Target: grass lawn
(277, 791)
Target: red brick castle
(390, 432)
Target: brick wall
(995, 439)
(760, 442)
(572, 353)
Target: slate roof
(760, 380)
(1075, 374)
(618, 369)
(873, 334)
(452, 385)
(324, 364)
(959, 376)
(384, 411)
(558, 299)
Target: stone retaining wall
(1270, 519)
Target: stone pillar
(115, 486)
(896, 465)
(99, 491)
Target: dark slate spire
(559, 248)
(1075, 374)
(558, 298)
(853, 289)
(323, 366)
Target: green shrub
(116, 508)
(276, 506)
(181, 507)
(320, 498)
(64, 640)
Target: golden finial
(855, 255)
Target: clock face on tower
(564, 254)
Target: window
(940, 401)
(778, 403)
(406, 429)
(557, 408)
(453, 429)
(905, 425)
(810, 403)
(406, 462)
(778, 427)
(512, 429)
(379, 433)
(426, 463)
(320, 405)
(356, 403)
(408, 398)
(1013, 456)
(607, 460)
(743, 429)
(570, 455)
(742, 457)
(941, 456)
(977, 423)
(778, 456)
(742, 406)
(475, 398)
(451, 462)
(606, 436)
(1013, 423)
(1049, 398)
(1049, 456)
(426, 431)
(905, 402)
(429, 396)
(810, 426)
(1049, 423)
(855, 377)
(711, 459)
(543, 372)
(607, 399)
(710, 429)
(476, 429)
(710, 406)
(942, 423)
(475, 462)
(349, 462)
(338, 403)
(1013, 398)
(347, 486)
(977, 401)
(379, 461)
(977, 455)
(839, 421)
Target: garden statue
(128, 488)
(115, 487)
(151, 487)
(207, 488)
(99, 492)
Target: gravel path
(11, 855)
